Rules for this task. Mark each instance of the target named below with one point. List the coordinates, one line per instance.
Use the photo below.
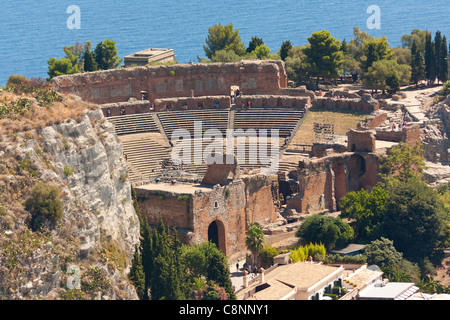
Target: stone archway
(356, 167)
(217, 235)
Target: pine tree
(137, 276)
(417, 64)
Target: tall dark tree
(443, 65)
(137, 276)
(219, 272)
(430, 58)
(417, 64)
(89, 61)
(284, 50)
(438, 52)
(254, 42)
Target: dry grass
(342, 123)
(39, 117)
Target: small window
(216, 204)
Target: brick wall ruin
(181, 80)
(323, 182)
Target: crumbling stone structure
(322, 182)
(181, 80)
(220, 211)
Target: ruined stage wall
(183, 80)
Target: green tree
(297, 66)
(332, 232)
(262, 52)
(417, 64)
(254, 240)
(417, 36)
(403, 162)
(366, 209)
(284, 50)
(414, 219)
(44, 204)
(376, 50)
(382, 253)
(58, 67)
(225, 56)
(219, 272)
(89, 58)
(377, 75)
(223, 38)
(169, 276)
(430, 58)
(137, 276)
(106, 55)
(324, 55)
(438, 53)
(442, 73)
(254, 43)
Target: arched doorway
(356, 167)
(216, 234)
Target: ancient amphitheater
(218, 201)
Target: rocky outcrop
(97, 234)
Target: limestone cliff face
(96, 236)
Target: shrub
(183, 197)
(68, 170)
(94, 280)
(44, 205)
(267, 254)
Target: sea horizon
(34, 32)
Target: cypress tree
(417, 64)
(219, 272)
(437, 53)
(284, 50)
(443, 71)
(137, 276)
(430, 59)
(147, 255)
(89, 61)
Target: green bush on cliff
(44, 205)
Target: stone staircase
(144, 153)
(210, 119)
(283, 119)
(134, 123)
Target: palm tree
(254, 240)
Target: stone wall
(258, 101)
(131, 107)
(193, 103)
(409, 135)
(181, 80)
(359, 140)
(365, 104)
(176, 211)
(323, 182)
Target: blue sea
(32, 31)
